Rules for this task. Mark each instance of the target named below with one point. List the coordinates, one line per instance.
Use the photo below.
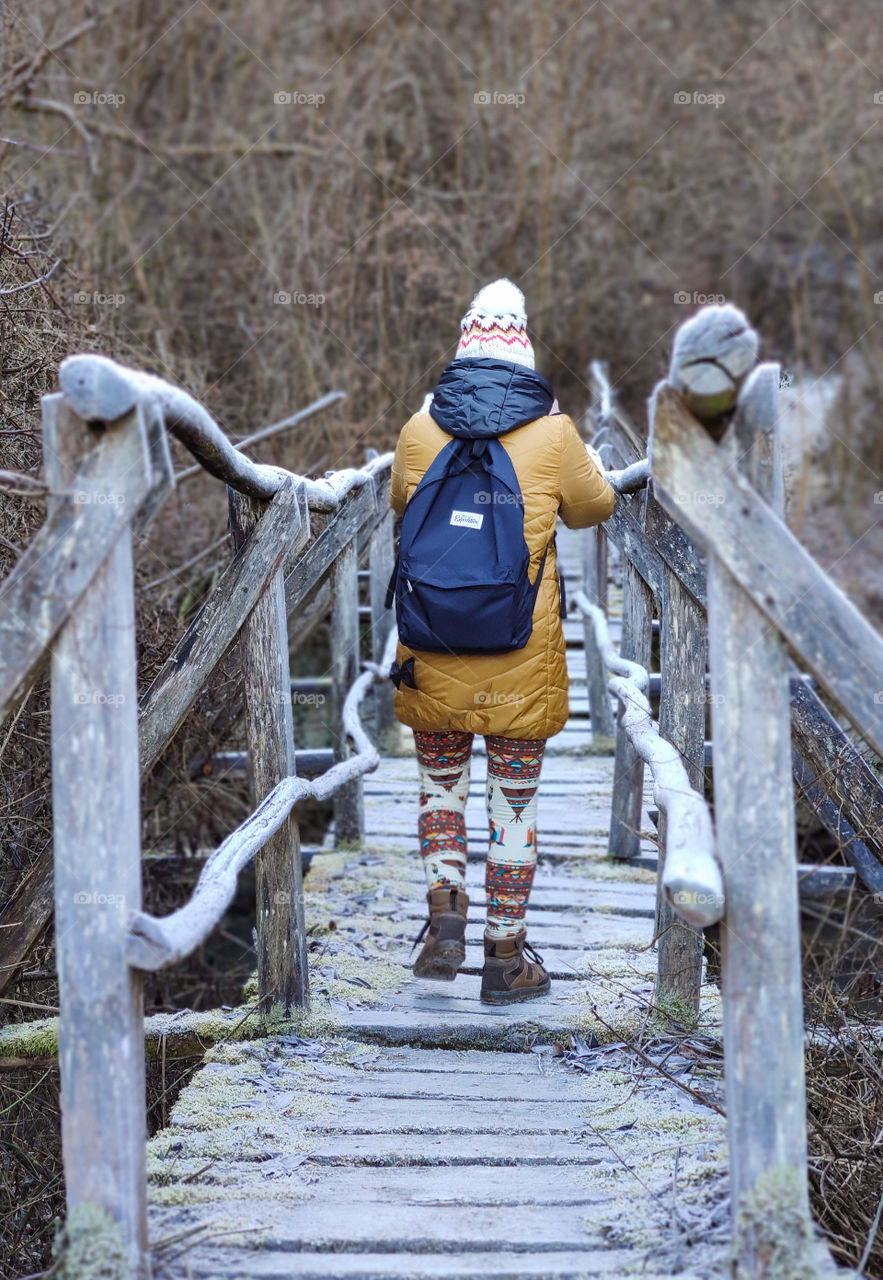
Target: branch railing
(706, 544)
(70, 600)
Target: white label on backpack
(468, 519)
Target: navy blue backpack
(461, 580)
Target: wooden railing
(706, 546)
(70, 599)
(714, 484)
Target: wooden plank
(283, 974)
(83, 524)
(628, 773)
(97, 844)
(25, 916)
(675, 548)
(472, 1088)
(596, 670)
(432, 1261)
(381, 559)
(216, 626)
(342, 526)
(634, 546)
(415, 1149)
(854, 850)
(682, 706)
(834, 640)
(349, 814)
(834, 760)
(754, 811)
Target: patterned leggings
(513, 774)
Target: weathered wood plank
(754, 810)
(635, 547)
(836, 643)
(216, 626)
(628, 773)
(833, 759)
(349, 814)
(381, 559)
(97, 843)
(596, 669)
(83, 524)
(25, 916)
(283, 975)
(355, 509)
(435, 1264)
(683, 649)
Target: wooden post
(349, 813)
(628, 768)
(596, 668)
(381, 558)
(683, 647)
(283, 976)
(97, 841)
(760, 934)
(754, 814)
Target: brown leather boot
(507, 976)
(445, 948)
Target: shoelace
(531, 953)
(422, 934)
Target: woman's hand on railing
(629, 479)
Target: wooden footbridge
(351, 1121)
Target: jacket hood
(478, 397)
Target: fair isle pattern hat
(495, 326)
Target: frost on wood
(99, 389)
(90, 1246)
(692, 878)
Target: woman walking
(479, 654)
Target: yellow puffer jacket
(522, 694)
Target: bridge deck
(403, 1129)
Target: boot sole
(514, 997)
(443, 963)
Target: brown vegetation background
(159, 196)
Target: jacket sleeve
(586, 497)
(398, 491)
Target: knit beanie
(495, 325)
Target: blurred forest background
(265, 201)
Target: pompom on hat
(495, 326)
